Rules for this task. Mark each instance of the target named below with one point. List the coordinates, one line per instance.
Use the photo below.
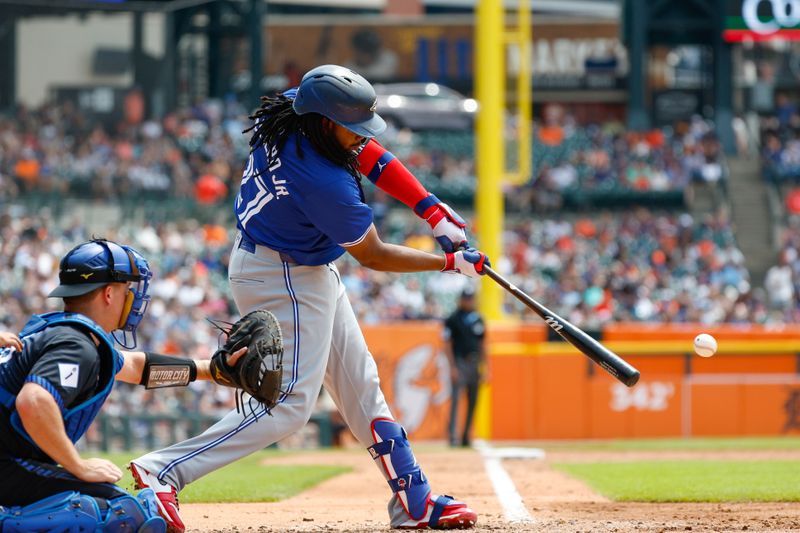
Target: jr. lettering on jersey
(262, 195)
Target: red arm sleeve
(383, 169)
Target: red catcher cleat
(443, 512)
(166, 496)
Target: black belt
(249, 246)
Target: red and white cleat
(166, 496)
(443, 512)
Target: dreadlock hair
(275, 121)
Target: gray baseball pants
(322, 344)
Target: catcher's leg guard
(393, 454)
(65, 512)
(140, 514)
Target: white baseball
(705, 345)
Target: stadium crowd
(634, 264)
(569, 157)
(782, 281)
(780, 143)
(191, 153)
(780, 153)
(198, 153)
(602, 156)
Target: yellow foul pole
(524, 96)
(489, 154)
(490, 89)
(520, 37)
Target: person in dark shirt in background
(464, 333)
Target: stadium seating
(622, 264)
(196, 155)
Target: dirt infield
(356, 501)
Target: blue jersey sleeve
(337, 211)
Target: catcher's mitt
(259, 371)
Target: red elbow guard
(387, 172)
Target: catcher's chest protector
(14, 371)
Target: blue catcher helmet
(341, 95)
(97, 263)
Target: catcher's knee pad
(72, 512)
(393, 454)
(63, 512)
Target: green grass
(691, 481)
(245, 480)
(677, 444)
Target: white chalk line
(514, 508)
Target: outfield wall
(547, 390)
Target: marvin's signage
(762, 20)
(575, 63)
(564, 55)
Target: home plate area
(511, 489)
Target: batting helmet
(341, 95)
(97, 263)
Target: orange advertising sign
(415, 375)
(541, 390)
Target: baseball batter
(300, 207)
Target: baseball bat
(611, 362)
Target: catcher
(56, 375)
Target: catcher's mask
(97, 263)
